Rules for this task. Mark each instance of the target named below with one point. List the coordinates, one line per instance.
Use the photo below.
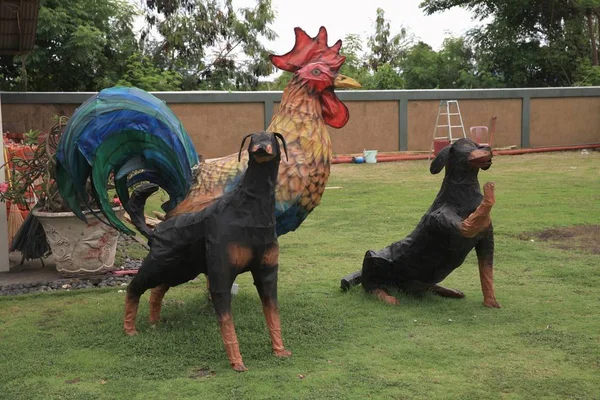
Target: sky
(341, 19)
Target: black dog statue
(457, 221)
(233, 235)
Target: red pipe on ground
(408, 157)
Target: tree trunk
(590, 23)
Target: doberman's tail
(136, 207)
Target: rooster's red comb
(307, 50)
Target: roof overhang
(18, 25)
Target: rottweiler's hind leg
(156, 296)
(381, 294)
(446, 292)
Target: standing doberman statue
(233, 235)
(457, 221)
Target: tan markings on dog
(274, 324)
(131, 307)
(262, 159)
(271, 256)
(156, 297)
(230, 341)
(239, 256)
(385, 296)
(480, 219)
(486, 276)
(477, 154)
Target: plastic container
(479, 134)
(370, 156)
(439, 144)
(234, 289)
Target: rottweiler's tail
(350, 280)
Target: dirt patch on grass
(578, 237)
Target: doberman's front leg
(265, 280)
(221, 298)
(480, 219)
(226, 263)
(485, 258)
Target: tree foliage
(209, 43)
(81, 45)
(528, 43)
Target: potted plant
(79, 248)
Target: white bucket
(370, 156)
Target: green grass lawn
(543, 343)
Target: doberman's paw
(131, 332)
(239, 367)
(488, 193)
(491, 303)
(282, 353)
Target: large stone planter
(79, 248)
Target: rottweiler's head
(463, 157)
(263, 146)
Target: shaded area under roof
(18, 25)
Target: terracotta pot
(79, 248)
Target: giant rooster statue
(136, 137)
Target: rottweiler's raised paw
(488, 193)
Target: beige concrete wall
(217, 129)
(564, 121)
(372, 125)
(422, 116)
(19, 118)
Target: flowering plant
(35, 175)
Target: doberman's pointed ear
(439, 162)
(242, 146)
(280, 137)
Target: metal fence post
(4, 261)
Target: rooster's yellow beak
(343, 81)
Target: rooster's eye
(316, 72)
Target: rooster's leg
(156, 297)
(265, 280)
